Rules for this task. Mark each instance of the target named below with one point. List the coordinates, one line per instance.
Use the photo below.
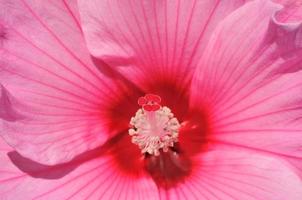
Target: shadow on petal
(168, 169)
(195, 132)
(8, 104)
(111, 72)
(38, 170)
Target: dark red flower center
(174, 163)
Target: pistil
(153, 128)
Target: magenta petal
(151, 39)
(95, 179)
(51, 81)
(253, 83)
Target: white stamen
(154, 130)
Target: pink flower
(150, 99)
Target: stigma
(154, 127)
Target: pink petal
(145, 40)
(94, 179)
(233, 173)
(253, 83)
(219, 174)
(53, 96)
(292, 11)
(229, 173)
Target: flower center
(153, 127)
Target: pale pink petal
(230, 173)
(78, 180)
(251, 77)
(147, 40)
(52, 95)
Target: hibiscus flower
(145, 99)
